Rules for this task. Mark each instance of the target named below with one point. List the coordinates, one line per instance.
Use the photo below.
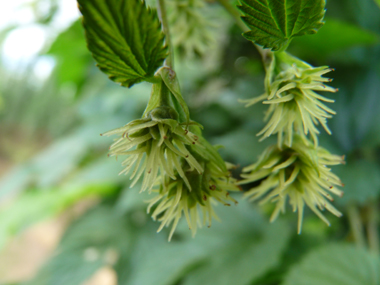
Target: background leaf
(249, 257)
(125, 39)
(34, 206)
(244, 252)
(179, 258)
(274, 23)
(96, 240)
(336, 265)
(361, 179)
(335, 37)
(72, 57)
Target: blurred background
(67, 218)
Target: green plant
(179, 166)
(167, 148)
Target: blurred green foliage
(52, 157)
(351, 266)
(73, 61)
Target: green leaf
(245, 259)
(336, 265)
(240, 249)
(125, 39)
(163, 263)
(274, 23)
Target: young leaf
(274, 23)
(125, 38)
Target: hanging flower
(155, 144)
(175, 197)
(299, 174)
(294, 105)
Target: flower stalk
(161, 8)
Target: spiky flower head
(190, 26)
(195, 201)
(299, 174)
(155, 145)
(291, 93)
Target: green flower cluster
(176, 196)
(294, 105)
(295, 170)
(299, 174)
(166, 149)
(154, 144)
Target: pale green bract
(273, 23)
